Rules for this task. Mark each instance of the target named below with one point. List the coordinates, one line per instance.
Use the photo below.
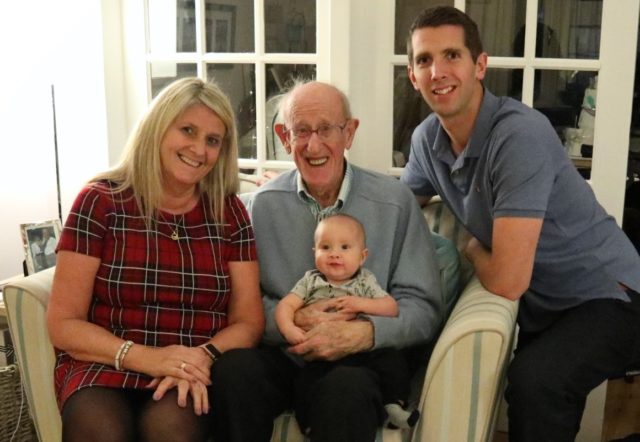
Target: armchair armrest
(26, 301)
(466, 371)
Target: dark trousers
(387, 366)
(254, 386)
(554, 370)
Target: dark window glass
(229, 26)
(406, 12)
(409, 109)
(569, 29)
(569, 100)
(163, 73)
(290, 27)
(631, 216)
(501, 24)
(238, 81)
(504, 82)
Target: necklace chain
(175, 229)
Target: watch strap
(212, 351)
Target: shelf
(581, 162)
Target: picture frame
(40, 240)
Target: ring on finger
(183, 365)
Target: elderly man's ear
(279, 128)
(352, 125)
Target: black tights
(100, 414)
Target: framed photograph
(40, 241)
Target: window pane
(279, 78)
(504, 82)
(229, 26)
(163, 73)
(238, 81)
(569, 28)
(409, 109)
(290, 27)
(634, 144)
(631, 217)
(406, 12)
(501, 25)
(568, 99)
(172, 26)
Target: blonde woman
(156, 277)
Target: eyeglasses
(302, 134)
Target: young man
(539, 234)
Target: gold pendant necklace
(174, 234)
(175, 228)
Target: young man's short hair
(447, 15)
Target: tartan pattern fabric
(150, 288)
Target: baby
(340, 252)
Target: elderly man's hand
(335, 339)
(319, 312)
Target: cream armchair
(461, 389)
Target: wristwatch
(212, 351)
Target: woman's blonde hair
(140, 168)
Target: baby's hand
(294, 335)
(348, 304)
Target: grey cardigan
(401, 252)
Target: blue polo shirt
(515, 166)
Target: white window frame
(331, 60)
(373, 60)
(355, 51)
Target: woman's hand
(188, 363)
(197, 390)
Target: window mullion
(531, 21)
(259, 39)
(201, 44)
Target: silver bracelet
(122, 351)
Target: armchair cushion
(449, 265)
(26, 302)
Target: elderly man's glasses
(325, 132)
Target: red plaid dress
(150, 288)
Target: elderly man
(260, 383)
(539, 234)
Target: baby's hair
(353, 219)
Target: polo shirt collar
(442, 144)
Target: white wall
(44, 43)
